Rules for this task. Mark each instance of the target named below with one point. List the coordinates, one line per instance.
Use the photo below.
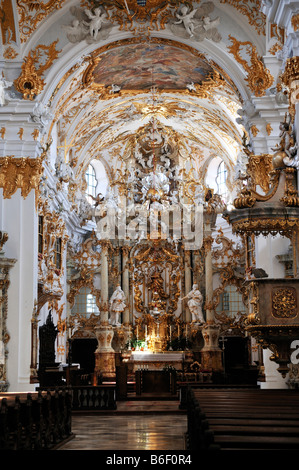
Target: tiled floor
(148, 425)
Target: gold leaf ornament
(259, 78)
(30, 83)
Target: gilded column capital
(126, 250)
(22, 172)
(105, 245)
(207, 243)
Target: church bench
(37, 420)
(243, 419)
(254, 442)
(185, 386)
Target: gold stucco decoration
(31, 13)
(30, 83)
(23, 173)
(284, 302)
(259, 78)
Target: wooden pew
(235, 419)
(37, 420)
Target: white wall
(19, 220)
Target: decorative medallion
(284, 302)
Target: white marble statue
(63, 170)
(195, 304)
(97, 19)
(187, 20)
(41, 115)
(210, 24)
(117, 305)
(75, 32)
(197, 23)
(3, 85)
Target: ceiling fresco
(160, 79)
(140, 66)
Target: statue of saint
(195, 304)
(117, 305)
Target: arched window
(221, 180)
(91, 180)
(85, 303)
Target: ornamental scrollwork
(32, 13)
(30, 83)
(251, 9)
(284, 302)
(259, 78)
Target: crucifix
(66, 148)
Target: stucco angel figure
(97, 19)
(186, 19)
(117, 305)
(195, 304)
(75, 32)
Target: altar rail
(88, 397)
(266, 419)
(34, 421)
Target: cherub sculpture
(97, 19)
(186, 19)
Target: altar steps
(153, 396)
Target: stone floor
(135, 425)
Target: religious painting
(140, 67)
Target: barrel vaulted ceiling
(143, 68)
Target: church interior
(149, 230)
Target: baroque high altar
(152, 251)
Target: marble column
(105, 354)
(188, 284)
(211, 354)
(126, 284)
(126, 289)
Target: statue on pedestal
(195, 304)
(117, 305)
